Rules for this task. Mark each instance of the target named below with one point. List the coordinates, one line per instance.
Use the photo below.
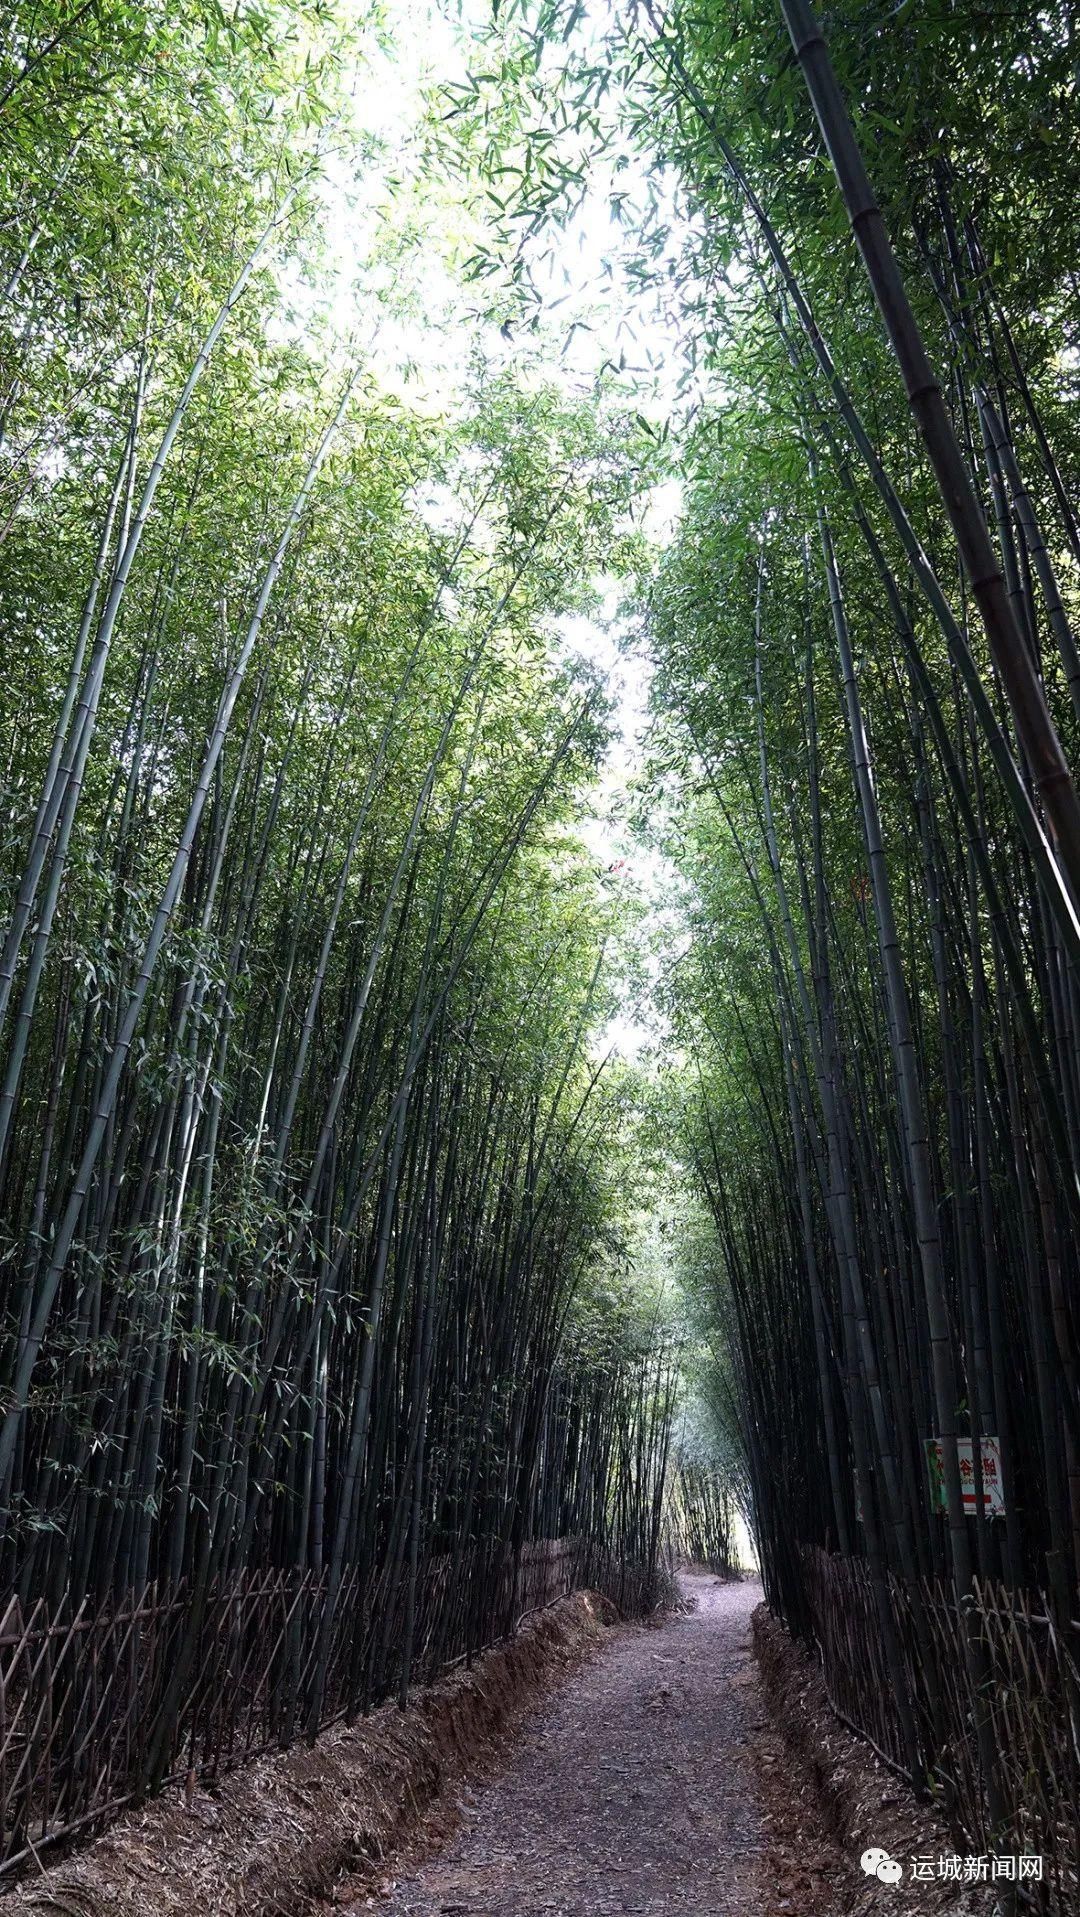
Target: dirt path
(633, 1791)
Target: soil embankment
(271, 1840)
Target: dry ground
(633, 1790)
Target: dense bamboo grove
(867, 654)
(314, 1179)
(894, 1180)
(702, 1517)
(864, 768)
(306, 1148)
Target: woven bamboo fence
(89, 1700)
(1029, 1686)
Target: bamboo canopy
(348, 1259)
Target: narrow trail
(632, 1791)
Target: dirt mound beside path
(838, 1800)
(275, 1836)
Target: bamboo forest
(540, 957)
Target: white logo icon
(877, 1863)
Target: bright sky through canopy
(403, 299)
